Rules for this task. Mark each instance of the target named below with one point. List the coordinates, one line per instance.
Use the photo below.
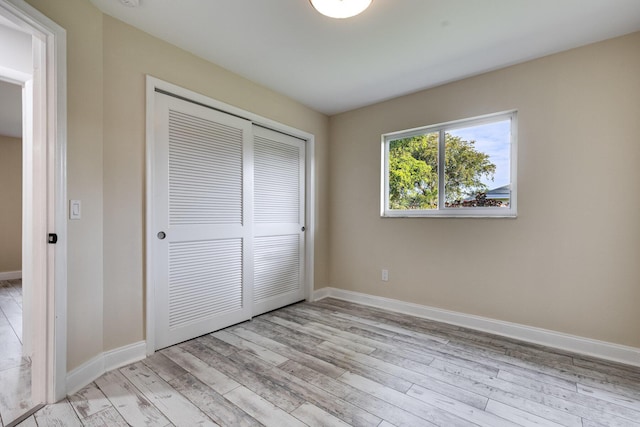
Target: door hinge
(53, 238)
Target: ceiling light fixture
(340, 8)
(130, 3)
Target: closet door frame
(154, 85)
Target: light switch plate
(75, 209)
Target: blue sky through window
(492, 139)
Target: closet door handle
(162, 235)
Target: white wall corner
(321, 294)
(576, 344)
(104, 362)
(10, 275)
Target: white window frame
(442, 211)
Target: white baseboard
(576, 344)
(85, 374)
(10, 275)
(107, 361)
(119, 357)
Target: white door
(279, 189)
(202, 216)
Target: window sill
(452, 213)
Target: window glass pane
(477, 166)
(413, 172)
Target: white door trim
(154, 84)
(46, 109)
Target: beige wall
(570, 262)
(10, 204)
(129, 54)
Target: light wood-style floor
(333, 363)
(15, 369)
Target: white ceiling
(395, 47)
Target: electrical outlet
(385, 275)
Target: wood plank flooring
(333, 363)
(15, 369)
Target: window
(465, 168)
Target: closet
(228, 219)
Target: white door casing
(44, 199)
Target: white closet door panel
(277, 181)
(203, 267)
(205, 171)
(279, 187)
(276, 266)
(195, 232)
(205, 280)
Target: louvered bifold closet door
(202, 252)
(278, 245)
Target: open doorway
(15, 302)
(32, 58)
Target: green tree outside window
(413, 171)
